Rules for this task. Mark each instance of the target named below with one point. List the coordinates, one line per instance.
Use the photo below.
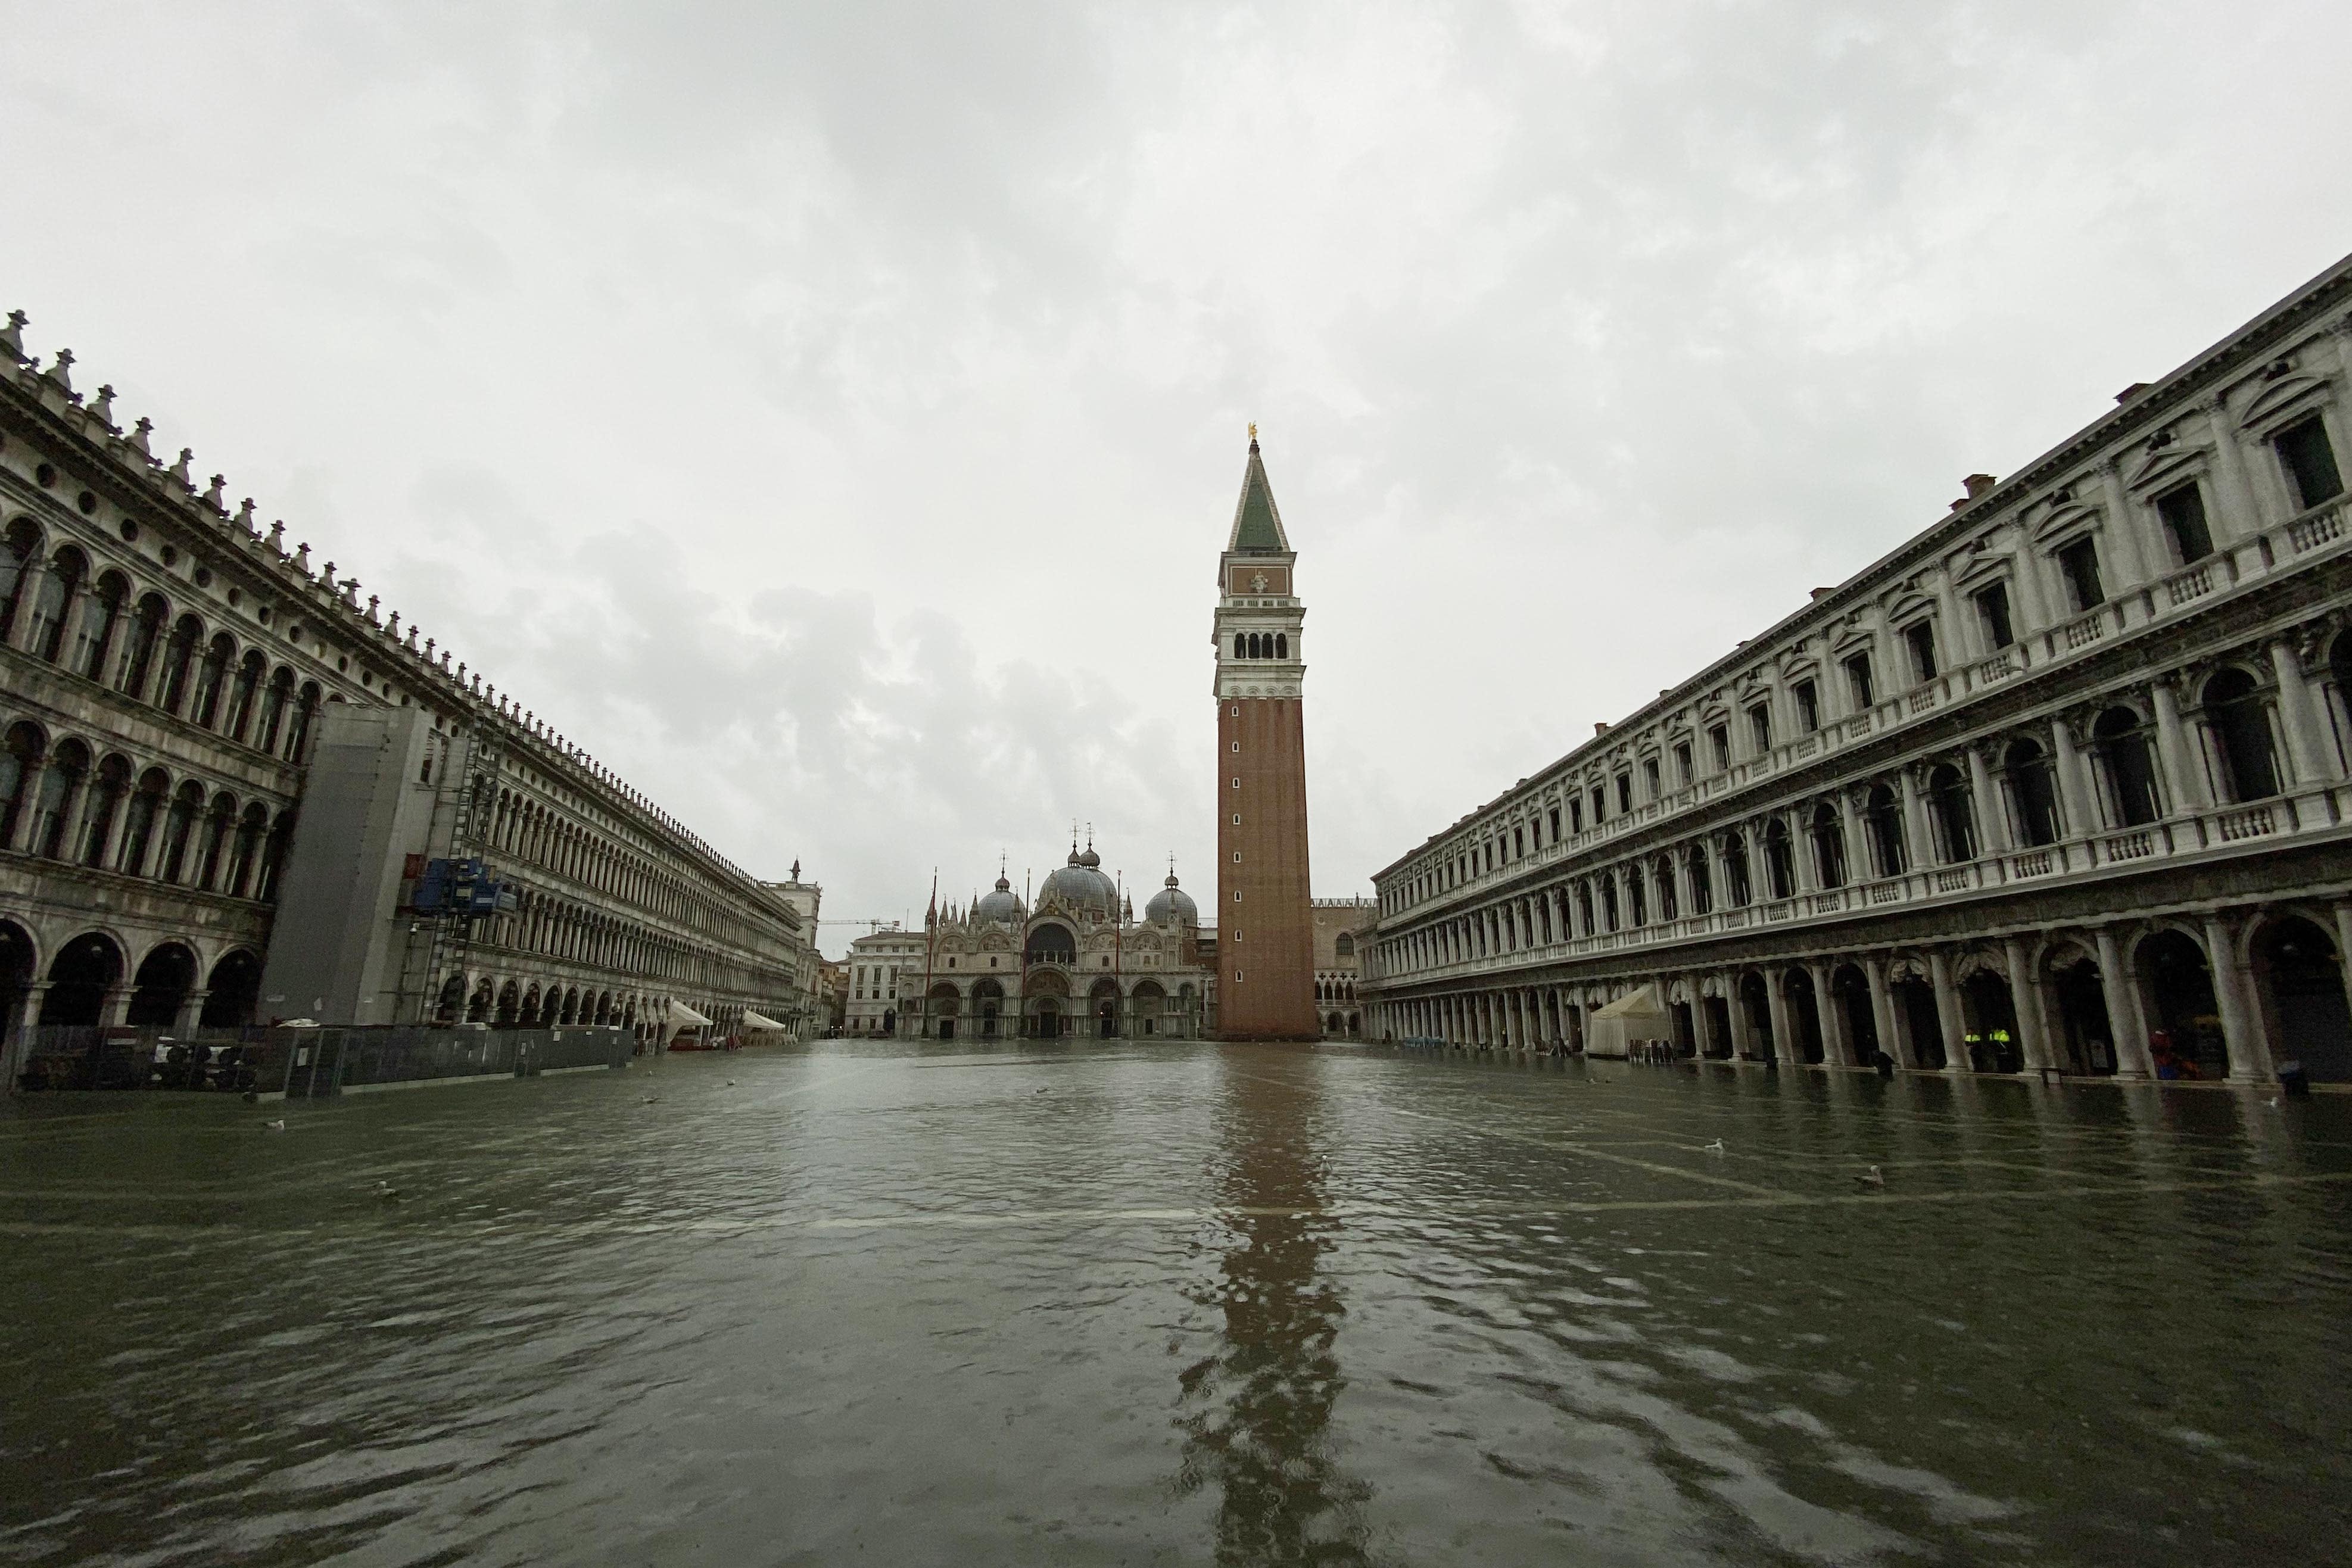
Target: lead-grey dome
(1171, 902)
(1080, 887)
(1002, 905)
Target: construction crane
(872, 923)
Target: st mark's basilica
(1077, 962)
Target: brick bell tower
(1266, 932)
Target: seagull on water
(387, 1191)
(1872, 1177)
(276, 1126)
(1715, 1147)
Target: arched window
(138, 833)
(1736, 885)
(1346, 945)
(60, 792)
(2120, 741)
(1829, 845)
(219, 823)
(1609, 902)
(146, 633)
(1779, 860)
(22, 541)
(2031, 788)
(1584, 906)
(2240, 720)
(273, 710)
(106, 801)
(241, 698)
(101, 614)
(306, 708)
(179, 826)
(251, 830)
(19, 767)
(1702, 881)
(179, 663)
(1240, 646)
(1637, 896)
(211, 678)
(52, 603)
(1664, 872)
(1955, 820)
(1282, 644)
(1882, 818)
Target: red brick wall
(1265, 939)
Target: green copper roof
(1257, 525)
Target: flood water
(1108, 1303)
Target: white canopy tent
(1637, 1016)
(754, 1019)
(682, 1016)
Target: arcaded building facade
(171, 665)
(1341, 927)
(2057, 787)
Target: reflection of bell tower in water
(1266, 936)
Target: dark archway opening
(1851, 987)
(164, 978)
(83, 972)
(1756, 1002)
(2303, 990)
(1718, 1028)
(1804, 1017)
(1915, 1000)
(234, 987)
(1988, 1024)
(2085, 1033)
(2186, 1041)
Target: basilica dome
(1002, 905)
(1080, 885)
(1172, 902)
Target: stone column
(1776, 1003)
(2297, 716)
(2125, 1020)
(1985, 796)
(2238, 515)
(1857, 852)
(28, 595)
(1918, 837)
(1743, 1038)
(115, 1007)
(1947, 1012)
(2121, 534)
(192, 1010)
(2250, 1055)
(1882, 1009)
(2183, 767)
(2073, 798)
(1836, 1049)
(1801, 853)
(2025, 1000)
(17, 1036)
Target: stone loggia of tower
(1266, 932)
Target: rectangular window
(2310, 461)
(2078, 563)
(1554, 824)
(1719, 737)
(1920, 638)
(1576, 816)
(1519, 842)
(1809, 708)
(1600, 805)
(1759, 726)
(1624, 793)
(1683, 765)
(1992, 611)
(2182, 510)
(1857, 682)
(1650, 776)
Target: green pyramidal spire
(1257, 525)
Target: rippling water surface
(1189, 1303)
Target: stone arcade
(170, 670)
(2058, 786)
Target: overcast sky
(830, 415)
